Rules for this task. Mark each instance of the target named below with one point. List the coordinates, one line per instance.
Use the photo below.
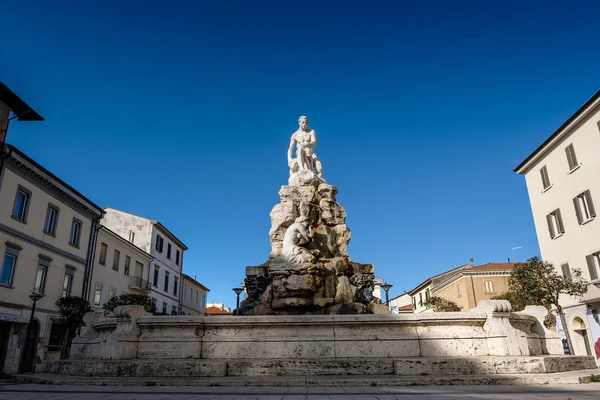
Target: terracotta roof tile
(493, 267)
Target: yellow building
(193, 296)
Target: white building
(164, 247)
(563, 181)
(46, 238)
(119, 267)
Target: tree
(71, 310)
(131, 300)
(439, 304)
(536, 282)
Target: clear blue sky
(182, 111)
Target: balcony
(137, 283)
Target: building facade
(401, 304)
(420, 294)
(562, 177)
(468, 286)
(119, 268)
(193, 296)
(47, 231)
(164, 247)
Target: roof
(434, 280)
(23, 111)
(580, 111)
(492, 267)
(189, 278)
(408, 307)
(46, 176)
(216, 311)
(154, 222)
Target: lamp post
(34, 297)
(387, 287)
(237, 291)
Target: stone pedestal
(324, 279)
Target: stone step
(412, 366)
(557, 378)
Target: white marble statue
(302, 168)
(298, 234)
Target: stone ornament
(298, 234)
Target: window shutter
(577, 210)
(566, 271)
(561, 228)
(569, 157)
(550, 226)
(592, 267)
(588, 197)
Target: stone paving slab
(300, 384)
(60, 392)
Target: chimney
(472, 261)
(195, 278)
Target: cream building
(420, 294)
(120, 267)
(46, 236)
(401, 304)
(468, 286)
(193, 296)
(563, 181)
(164, 247)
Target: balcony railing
(135, 282)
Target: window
(571, 157)
(116, 257)
(555, 224)
(197, 298)
(139, 269)
(169, 251)
(112, 292)
(414, 303)
(164, 309)
(426, 294)
(131, 236)
(489, 286)
(40, 279)
(98, 295)
(8, 268)
(51, 220)
(155, 281)
(203, 301)
(593, 262)
(184, 291)
(421, 299)
(103, 250)
(159, 243)
(458, 293)
(447, 295)
(545, 178)
(175, 284)
(166, 287)
(67, 282)
(584, 207)
(177, 256)
(191, 295)
(174, 310)
(21, 204)
(75, 233)
(127, 264)
(566, 272)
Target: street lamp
(34, 297)
(238, 291)
(387, 287)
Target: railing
(135, 282)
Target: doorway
(582, 342)
(30, 348)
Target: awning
(15, 319)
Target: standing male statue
(306, 161)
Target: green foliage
(71, 310)
(439, 304)
(536, 282)
(131, 300)
(594, 379)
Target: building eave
(22, 110)
(189, 278)
(559, 134)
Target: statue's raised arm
(303, 167)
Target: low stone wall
(489, 330)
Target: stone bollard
(502, 338)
